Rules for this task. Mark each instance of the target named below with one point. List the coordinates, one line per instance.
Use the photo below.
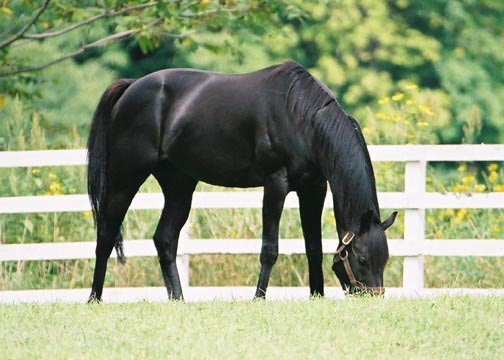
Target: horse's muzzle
(377, 291)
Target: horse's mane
(337, 140)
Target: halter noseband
(342, 255)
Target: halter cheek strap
(342, 255)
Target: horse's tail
(98, 152)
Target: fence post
(183, 259)
(414, 224)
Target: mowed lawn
(362, 328)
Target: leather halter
(342, 255)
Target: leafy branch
(96, 44)
(105, 14)
(25, 28)
(166, 19)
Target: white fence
(414, 200)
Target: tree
(471, 60)
(366, 49)
(100, 23)
(35, 41)
(362, 49)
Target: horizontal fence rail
(414, 201)
(139, 248)
(397, 153)
(252, 200)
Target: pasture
(366, 328)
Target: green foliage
(60, 101)
(65, 94)
(361, 48)
(89, 25)
(471, 59)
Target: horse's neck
(352, 184)
(349, 211)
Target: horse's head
(361, 257)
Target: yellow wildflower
(54, 188)
(462, 168)
(423, 123)
(498, 188)
(479, 187)
(411, 86)
(492, 167)
(459, 188)
(461, 215)
(383, 100)
(493, 177)
(398, 96)
(446, 214)
(366, 131)
(397, 117)
(426, 109)
(468, 179)
(382, 116)
(495, 229)
(449, 212)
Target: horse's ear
(366, 221)
(387, 223)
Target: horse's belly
(220, 174)
(241, 179)
(224, 158)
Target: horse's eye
(362, 260)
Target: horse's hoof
(261, 297)
(94, 300)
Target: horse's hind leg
(177, 189)
(109, 228)
(108, 232)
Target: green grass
(365, 328)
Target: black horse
(278, 127)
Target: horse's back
(217, 129)
(220, 128)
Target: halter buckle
(347, 239)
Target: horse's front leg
(275, 190)
(311, 203)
